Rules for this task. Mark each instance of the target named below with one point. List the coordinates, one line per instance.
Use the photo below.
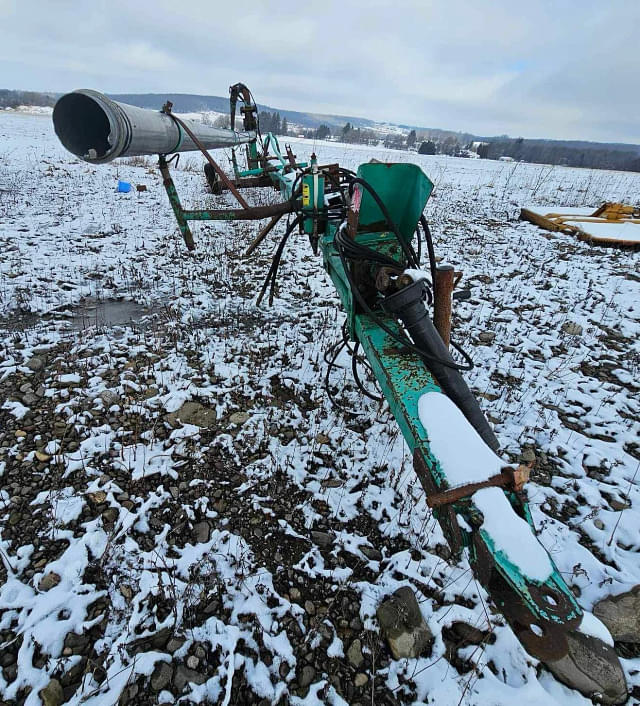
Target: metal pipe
(442, 290)
(97, 129)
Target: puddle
(103, 313)
(108, 313)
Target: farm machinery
(370, 230)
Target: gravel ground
(185, 517)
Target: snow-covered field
(184, 517)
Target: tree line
(592, 155)
(13, 99)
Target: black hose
(275, 264)
(429, 240)
(407, 306)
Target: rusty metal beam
(511, 478)
(262, 235)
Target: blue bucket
(124, 187)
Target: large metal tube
(98, 129)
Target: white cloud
(553, 68)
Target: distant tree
(223, 121)
(345, 131)
(428, 147)
(411, 138)
(395, 142)
(483, 150)
(449, 145)
(264, 118)
(285, 127)
(323, 132)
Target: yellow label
(306, 195)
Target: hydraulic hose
(407, 305)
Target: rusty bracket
(291, 157)
(510, 478)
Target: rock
(161, 676)
(466, 634)
(52, 694)
(201, 532)
(76, 644)
(184, 675)
(371, 553)
(36, 363)
(174, 644)
(129, 694)
(157, 641)
(487, 337)
(592, 667)
(598, 523)
(42, 457)
(127, 592)
(322, 539)
(48, 581)
(403, 625)
(110, 515)
(239, 418)
(7, 658)
(109, 398)
(619, 505)
(354, 654)
(295, 594)
(360, 680)
(307, 675)
(192, 662)
(528, 456)
(310, 607)
(621, 615)
(571, 328)
(322, 438)
(98, 497)
(193, 413)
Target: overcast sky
(534, 68)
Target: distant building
(504, 158)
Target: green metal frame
(403, 378)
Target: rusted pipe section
(442, 292)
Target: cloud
(551, 68)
